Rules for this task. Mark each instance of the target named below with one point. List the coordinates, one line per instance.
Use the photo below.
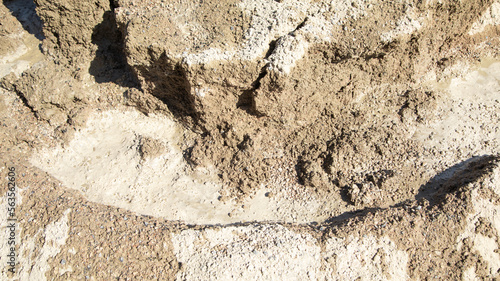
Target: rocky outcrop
(285, 60)
(265, 76)
(69, 27)
(306, 83)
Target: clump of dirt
(150, 148)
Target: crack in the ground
(11, 88)
(300, 25)
(26, 103)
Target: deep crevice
(169, 83)
(300, 25)
(270, 50)
(110, 62)
(246, 100)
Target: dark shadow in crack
(110, 63)
(169, 83)
(435, 190)
(25, 12)
(246, 100)
(455, 177)
(166, 80)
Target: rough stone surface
(297, 77)
(251, 139)
(69, 27)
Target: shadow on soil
(457, 176)
(435, 190)
(169, 81)
(24, 11)
(110, 63)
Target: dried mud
(251, 140)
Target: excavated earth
(250, 140)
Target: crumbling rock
(267, 82)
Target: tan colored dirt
(258, 108)
(251, 139)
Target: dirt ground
(249, 140)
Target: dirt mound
(310, 84)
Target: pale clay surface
(271, 252)
(104, 163)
